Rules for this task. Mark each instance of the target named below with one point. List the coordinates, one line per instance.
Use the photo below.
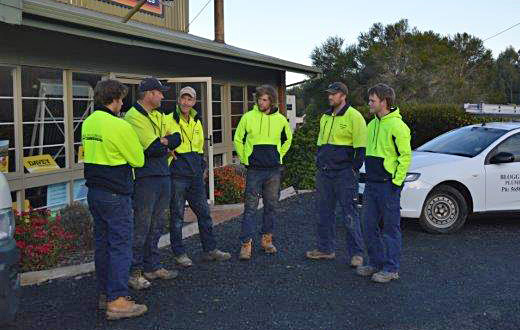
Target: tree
(422, 67)
(508, 70)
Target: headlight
(6, 224)
(412, 177)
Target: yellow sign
(80, 154)
(39, 163)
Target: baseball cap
(337, 87)
(188, 90)
(151, 84)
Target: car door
(503, 180)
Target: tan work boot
(356, 261)
(316, 255)
(102, 302)
(137, 281)
(123, 307)
(245, 251)
(162, 274)
(216, 255)
(267, 243)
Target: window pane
(511, 145)
(237, 93)
(217, 136)
(215, 91)
(217, 108)
(6, 111)
(171, 94)
(218, 160)
(35, 110)
(217, 123)
(237, 108)
(41, 81)
(6, 81)
(43, 134)
(80, 190)
(251, 91)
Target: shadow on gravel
(467, 280)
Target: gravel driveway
(468, 280)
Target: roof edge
(207, 48)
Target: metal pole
(134, 10)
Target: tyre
(444, 211)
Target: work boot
(102, 302)
(137, 281)
(123, 307)
(245, 251)
(365, 270)
(162, 274)
(384, 276)
(317, 254)
(356, 261)
(216, 255)
(183, 260)
(267, 243)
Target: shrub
(76, 218)
(230, 183)
(426, 121)
(42, 240)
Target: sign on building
(40, 163)
(151, 6)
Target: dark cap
(151, 84)
(337, 87)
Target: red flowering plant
(41, 239)
(229, 185)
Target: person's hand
(205, 175)
(164, 141)
(172, 153)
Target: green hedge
(426, 121)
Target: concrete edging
(42, 276)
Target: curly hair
(266, 90)
(106, 91)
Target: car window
(510, 145)
(466, 141)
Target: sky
(291, 29)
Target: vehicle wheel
(444, 211)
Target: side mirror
(502, 157)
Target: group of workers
(139, 166)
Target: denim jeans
(338, 187)
(193, 190)
(265, 183)
(113, 224)
(381, 203)
(151, 198)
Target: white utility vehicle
(472, 169)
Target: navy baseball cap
(151, 84)
(337, 87)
